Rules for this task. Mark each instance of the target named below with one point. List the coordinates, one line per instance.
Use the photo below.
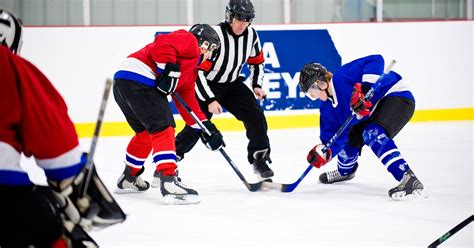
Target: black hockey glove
(168, 80)
(215, 141)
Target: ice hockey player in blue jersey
(379, 119)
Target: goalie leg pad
(104, 210)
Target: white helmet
(10, 31)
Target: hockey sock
(164, 151)
(385, 149)
(347, 160)
(137, 151)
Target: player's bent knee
(185, 140)
(374, 134)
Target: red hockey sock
(137, 151)
(164, 151)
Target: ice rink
(357, 213)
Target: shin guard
(385, 149)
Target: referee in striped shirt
(220, 85)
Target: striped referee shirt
(226, 63)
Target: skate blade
(127, 191)
(181, 199)
(402, 196)
(271, 185)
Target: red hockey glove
(359, 104)
(317, 158)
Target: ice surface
(357, 213)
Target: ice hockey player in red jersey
(34, 122)
(142, 85)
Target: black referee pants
(240, 101)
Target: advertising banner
(285, 52)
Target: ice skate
(260, 166)
(128, 183)
(409, 187)
(174, 192)
(334, 176)
(156, 179)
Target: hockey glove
(359, 105)
(215, 141)
(168, 80)
(317, 158)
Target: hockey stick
(451, 232)
(250, 186)
(292, 186)
(98, 125)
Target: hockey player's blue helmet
(10, 31)
(310, 73)
(242, 10)
(207, 37)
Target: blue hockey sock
(385, 149)
(347, 160)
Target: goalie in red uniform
(34, 122)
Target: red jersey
(179, 47)
(33, 121)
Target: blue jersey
(364, 70)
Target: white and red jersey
(33, 121)
(179, 47)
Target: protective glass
(315, 89)
(318, 85)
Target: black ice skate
(260, 166)
(408, 188)
(128, 183)
(334, 176)
(174, 192)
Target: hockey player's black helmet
(10, 31)
(207, 37)
(242, 10)
(310, 73)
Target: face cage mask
(209, 47)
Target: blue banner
(286, 51)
